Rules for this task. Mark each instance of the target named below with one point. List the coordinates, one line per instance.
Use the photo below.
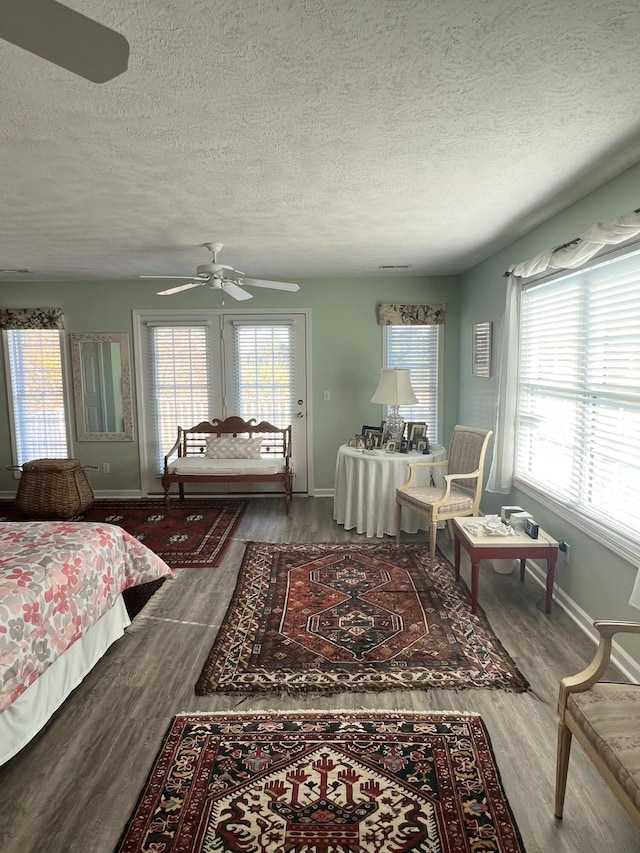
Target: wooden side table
(517, 547)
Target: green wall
(346, 354)
(597, 579)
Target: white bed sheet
(23, 719)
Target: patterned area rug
(374, 782)
(193, 534)
(316, 618)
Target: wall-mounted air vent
(14, 271)
(394, 267)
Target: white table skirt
(365, 489)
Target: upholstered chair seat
(605, 718)
(463, 483)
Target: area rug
(340, 782)
(192, 534)
(330, 617)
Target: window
(417, 348)
(578, 413)
(264, 370)
(179, 370)
(36, 391)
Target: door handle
(300, 414)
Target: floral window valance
(412, 315)
(31, 318)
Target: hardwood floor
(72, 789)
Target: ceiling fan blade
(180, 287)
(65, 37)
(235, 291)
(274, 285)
(201, 278)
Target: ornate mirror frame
(101, 370)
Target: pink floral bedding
(57, 578)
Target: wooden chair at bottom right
(605, 719)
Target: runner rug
(331, 617)
(192, 534)
(374, 782)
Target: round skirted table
(365, 489)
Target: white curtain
(568, 257)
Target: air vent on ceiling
(394, 267)
(16, 271)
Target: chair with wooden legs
(605, 719)
(463, 483)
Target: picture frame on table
(359, 442)
(416, 431)
(391, 447)
(373, 435)
(422, 445)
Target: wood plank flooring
(72, 789)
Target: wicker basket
(53, 488)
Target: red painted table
(517, 547)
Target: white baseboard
(628, 666)
(323, 493)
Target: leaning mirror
(102, 387)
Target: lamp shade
(394, 388)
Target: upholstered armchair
(463, 483)
(605, 718)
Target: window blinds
(264, 371)
(578, 416)
(416, 348)
(178, 365)
(35, 369)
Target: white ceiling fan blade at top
(274, 285)
(65, 37)
(202, 278)
(181, 287)
(233, 290)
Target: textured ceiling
(313, 137)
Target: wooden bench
(230, 451)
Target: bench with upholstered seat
(230, 451)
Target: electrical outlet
(106, 468)
(326, 396)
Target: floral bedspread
(57, 578)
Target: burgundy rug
(339, 782)
(192, 534)
(349, 616)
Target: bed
(61, 607)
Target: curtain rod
(564, 246)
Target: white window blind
(37, 394)
(415, 348)
(178, 365)
(264, 371)
(578, 416)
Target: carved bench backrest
(276, 441)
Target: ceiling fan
(222, 277)
(65, 37)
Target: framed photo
(359, 442)
(422, 446)
(416, 431)
(481, 350)
(372, 436)
(390, 447)
(404, 446)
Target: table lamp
(394, 389)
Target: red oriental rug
(192, 534)
(341, 782)
(330, 617)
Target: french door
(195, 366)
